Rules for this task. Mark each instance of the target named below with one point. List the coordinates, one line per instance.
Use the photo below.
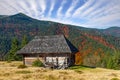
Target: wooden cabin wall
(29, 58)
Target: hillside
(3, 16)
(93, 44)
(112, 31)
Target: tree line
(15, 46)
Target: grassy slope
(9, 71)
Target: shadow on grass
(88, 66)
(81, 67)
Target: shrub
(37, 63)
(77, 71)
(22, 66)
(115, 79)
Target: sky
(86, 13)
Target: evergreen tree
(110, 63)
(113, 61)
(24, 41)
(116, 59)
(11, 56)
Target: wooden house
(55, 49)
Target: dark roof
(47, 44)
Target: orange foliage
(99, 50)
(78, 58)
(96, 53)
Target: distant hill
(93, 44)
(113, 31)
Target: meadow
(10, 71)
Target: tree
(11, 56)
(110, 63)
(24, 41)
(113, 61)
(116, 59)
(78, 58)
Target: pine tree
(116, 59)
(110, 63)
(113, 61)
(24, 41)
(11, 56)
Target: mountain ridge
(24, 15)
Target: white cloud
(6, 8)
(102, 13)
(42, 4)
(106, 19)
(33, 8)
(92, 8)
(81, 9)
(59, 12)
(71, 8)
(105, 10)
(51, 7)
(92, 13)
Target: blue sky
(86, 13)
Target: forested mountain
(93, 44)
(3, 16)
(112, 31)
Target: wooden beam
(23, 57)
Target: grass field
(9, 71)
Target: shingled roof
(48, 44)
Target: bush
(37, 63)
(77, 71)
(115, 79)
(22, 66)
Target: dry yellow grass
(9, 71)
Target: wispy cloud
(92, 8)
(59, 12)
(51, 8)
(4, 10)
(71, 8)
(89, 13)
(42, 4)
(105, 19)
(105, 10)
(81, 9)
